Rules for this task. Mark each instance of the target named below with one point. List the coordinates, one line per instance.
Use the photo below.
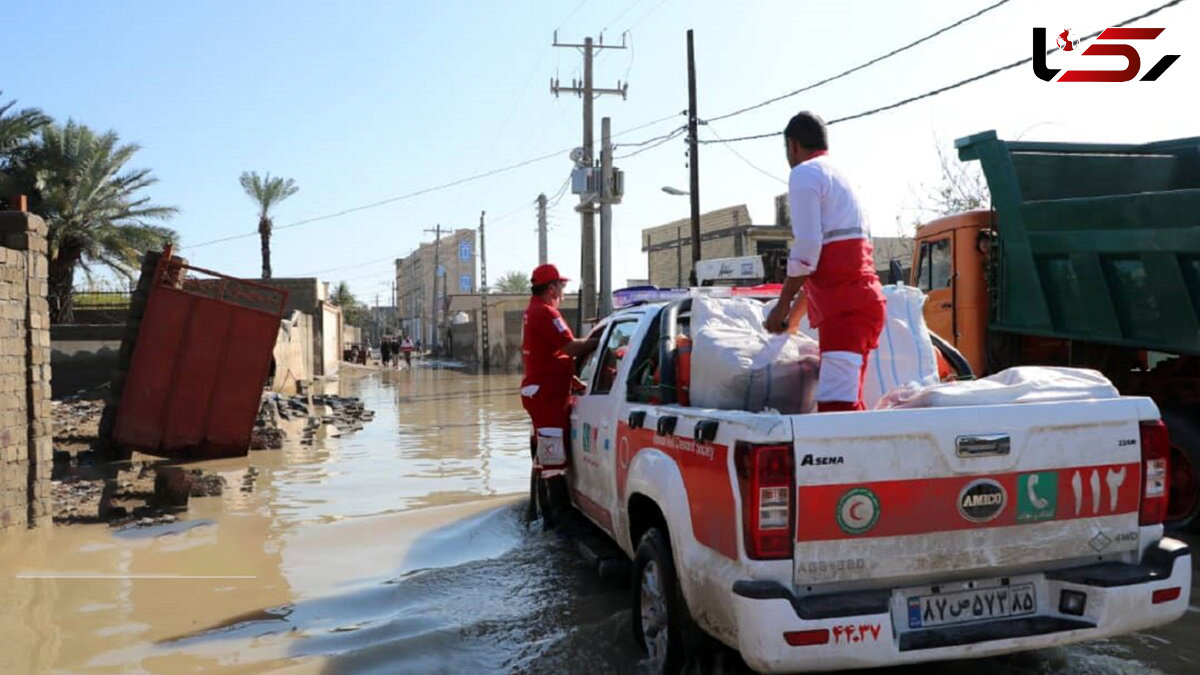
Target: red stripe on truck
(919, 506)
(704, 468)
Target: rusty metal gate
(197, 369)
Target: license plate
(981, 604)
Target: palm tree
(513, 282)
(354, 312)
(268, 191)
(17, 129)
(93, 205)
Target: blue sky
(362, 102)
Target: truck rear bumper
(778, 632)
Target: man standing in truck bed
(831, 269)
(549, 349)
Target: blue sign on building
(464, 250)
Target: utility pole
(606, 194)
(483, 291)
(437, 305)
(678, 257)
(541, 213)
(587, 269)
(693, 154)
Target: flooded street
(399, 548)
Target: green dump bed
(1095, 242)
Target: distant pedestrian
(385, 351)
(406, 347)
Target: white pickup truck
(844, 540)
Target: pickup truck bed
(837, 540)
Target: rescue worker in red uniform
(831, 268)
(549, 350)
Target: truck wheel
(1183, 504)
(661, 622)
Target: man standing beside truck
(830, 269)
(549, 349)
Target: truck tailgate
(943, 493)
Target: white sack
(1023, 384)
(738, 365)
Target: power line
(859, 67)
(742, 157)
(417, 193)
(956, 85)
(648, 141)
(653, 143)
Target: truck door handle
(982, 445)
(705, 431)
(637, 419)
(945, 305)
(666, 425)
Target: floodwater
(397, 549)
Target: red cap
(544, 274)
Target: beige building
(506, 313)
(729, 233)
(724, 233)
(418, 313)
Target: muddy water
(397, 549)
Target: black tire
(666, 655)
(1185, 447)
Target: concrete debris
(124, 494)
(343, 414)
(208, 484)
(248, 479)
(76, 424)
(172, 487)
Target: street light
(675, 191)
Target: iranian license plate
(980, 604)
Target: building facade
(419, 314)
(729, 233)
(724, 233)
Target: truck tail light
(1156, 449)
(1165, 595)
(765, 476)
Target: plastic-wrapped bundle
(738, 365)
(1022, 384)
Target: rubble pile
(345, 414)
(139, 493)
(77, 421)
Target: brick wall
(25, 421)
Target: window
(588, 367)
(615, 347)
(935, 266)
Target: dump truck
(1088, 257)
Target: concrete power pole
(541, 213)
(587, 270)
(486, 357)
(437, 306)
(606, 195)
(693, 155)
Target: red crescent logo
(854, 510)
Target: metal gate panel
(197, 371)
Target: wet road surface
(398, 549)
